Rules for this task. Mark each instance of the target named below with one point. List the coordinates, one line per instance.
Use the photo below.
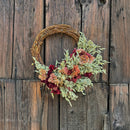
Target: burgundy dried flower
(88, 75)
(51, 67)
(56, 90)
(73, 52)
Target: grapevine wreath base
(73, 73)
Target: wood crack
(13, 38)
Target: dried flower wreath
(73, 73)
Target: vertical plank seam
(42, 109)
(16, 98)
(109, 59)
(3, 84)
(44, 25)
(59, 111)
(44, 49)
(128, 95)
(109, 53)
(81, 11)
(13, 38)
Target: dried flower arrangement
(73, 73)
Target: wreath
(73, 73)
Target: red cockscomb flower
(51, 85)
(56, 90)
(52, 67)
(88, 75)
(73, 52)
(69, 72)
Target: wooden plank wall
(25, 104)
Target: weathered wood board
(119, 107)
(88, 111)
(28, 21)
(95, 25)
(120, 42)
(6, 37)
(2, 106)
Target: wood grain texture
(2, 105)
(106, 122)
(95, 25)
(119, 107)
(6, 37)
(23, 106)
(10, 106)
(29, 105)
(28, 22)
(120, 41)
(87, 112)
(59, 12)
